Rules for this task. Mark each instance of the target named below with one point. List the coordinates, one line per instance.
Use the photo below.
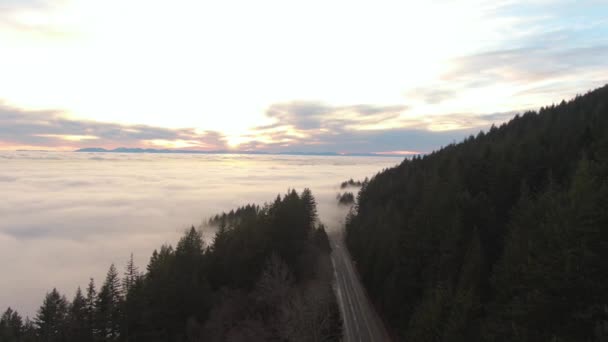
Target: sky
(277, 75)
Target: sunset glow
(272, 74)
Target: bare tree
(308, 315)
(275, 284)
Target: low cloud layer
(67, 216)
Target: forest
(265, 276)
(501, 237)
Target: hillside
(502, 237)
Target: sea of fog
(65, 217)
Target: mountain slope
(501, 237)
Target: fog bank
(67, 216)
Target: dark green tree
(131, 275)
(92, 323)
(11, 326)
(108, 307)
(501, 237)
(195, 292)
(78, 328)
(52, 318)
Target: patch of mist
(66, 218)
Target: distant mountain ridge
(295, 153)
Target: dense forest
(502, 237)
(266, 276)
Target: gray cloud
(43, 128)
(315, 127)
(300, 126)
(555, 65)
(552, 52)
(305, 115)
(415, 140)
(528, 64)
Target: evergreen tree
(130, 276)
(108, 306)
(11, 326)
(501, 237)
(51, 320)
(78, 327)
(91, 311)
(194, 293)
(310, 205)
(29, 332)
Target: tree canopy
(502, 237)
(264, 277)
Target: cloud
(527, 65)
(48, 129)
(548, 69)
(67, 218)
(300, 126)
(316, 127)
(27, 4)
(33, 17)
(418, 141)
(305, 115)
(560, 41)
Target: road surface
(360, 321)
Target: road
(360, 321)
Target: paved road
(360, 321)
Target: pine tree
(51, 320)
(29, 331)
(133, 301)
(91, 310)
(190, 279)
(190, 245)
(130, 276)
(310, 206)
(78, 328)
(109, 302)
(11, 326)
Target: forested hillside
(502, 237)
(266, 276)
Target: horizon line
(402, 154)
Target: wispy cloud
(317, 127)
(532, 64)
(299, 126)
(494, 59)
(306, 115)
(37, 18)
(48, 129)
